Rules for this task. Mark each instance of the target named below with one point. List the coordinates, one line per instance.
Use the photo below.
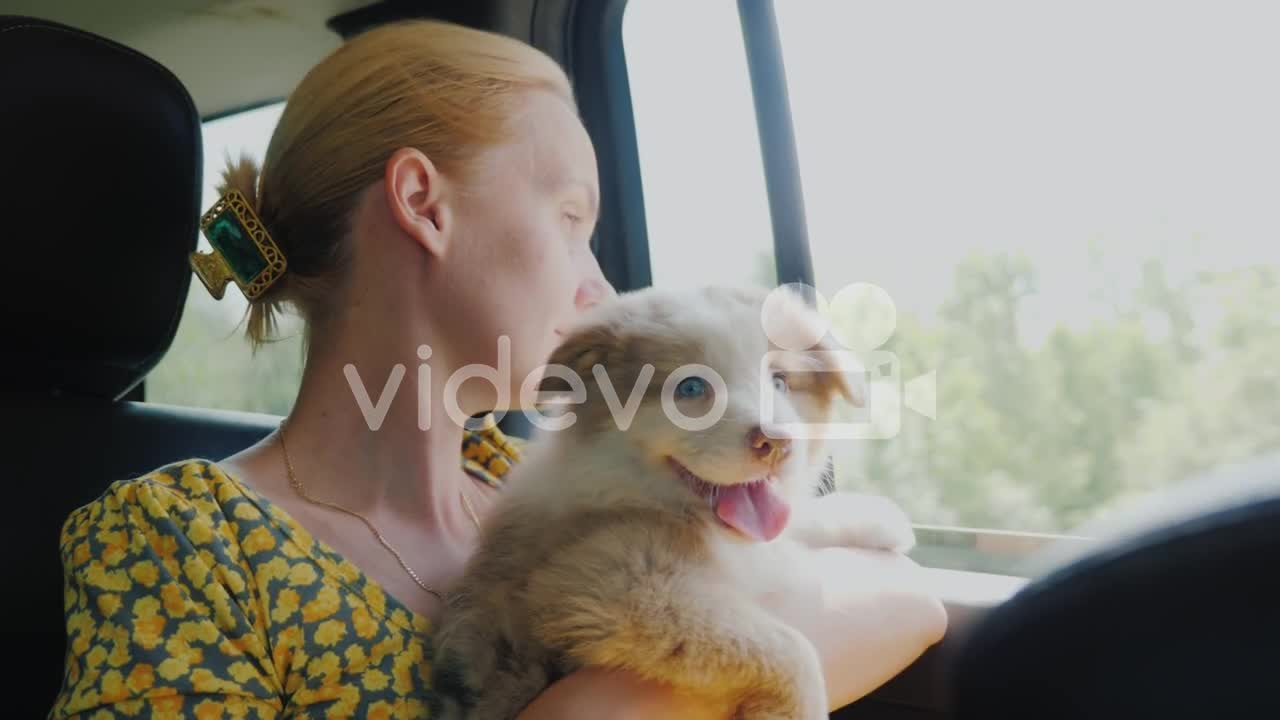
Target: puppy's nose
(768, 449)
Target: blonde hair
(446, 90)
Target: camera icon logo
(860, 319)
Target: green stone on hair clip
(243, 250)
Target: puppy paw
(886, 528)
(799, 695)
(854, 520)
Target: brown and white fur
(605, 549)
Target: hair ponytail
(243, 175)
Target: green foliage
(765, 271)
(1044, 437)
(211, 363)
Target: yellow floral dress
(189, 595)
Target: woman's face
(520, 265)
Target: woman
(433, 191)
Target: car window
(1056, 247)
(211, 364)
(704, 194)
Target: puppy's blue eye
(780, 383)
(691, 387)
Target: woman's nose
(593, 290)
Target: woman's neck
(356, 437)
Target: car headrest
(100, 149)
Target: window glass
(211, 364)
(704, 195)
(1050, 229)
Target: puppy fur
(602, 552)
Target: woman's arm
(866, 611)
(593, 694)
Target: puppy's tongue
(756, 509)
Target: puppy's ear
(840, 372)
(582, 350)
(829, 369)
(824, 371)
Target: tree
(1046, 438)
(212, 365)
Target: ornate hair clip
(243, 250)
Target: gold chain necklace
(296, 484)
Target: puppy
(637, 536)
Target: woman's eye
(691, 387)
(780, 382)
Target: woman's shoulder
(181, 496)
(189, 479)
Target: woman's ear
(415, 195)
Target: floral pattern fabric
(189, 595)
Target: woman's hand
(867, 612)
(593, 694)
